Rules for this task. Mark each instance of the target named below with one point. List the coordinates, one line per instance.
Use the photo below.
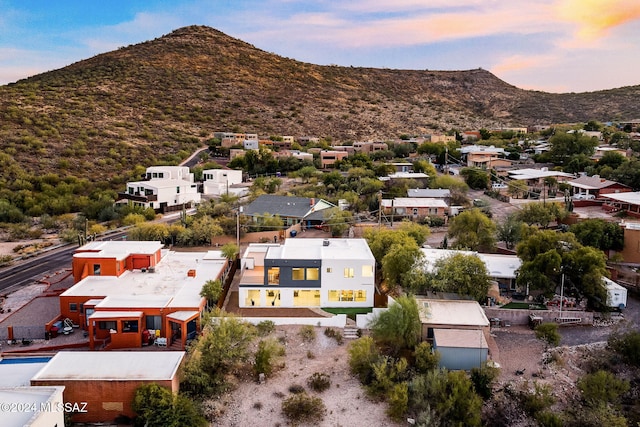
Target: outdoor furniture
(161, 342)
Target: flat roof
(182, 315)
(111, 365)
(459, 338)
(161, 183)
(530, 173)
(19, 374)
(498, 265)
(29, 399)
(630, 198)
(414, 202)
(451, 312)
(168, 286)
(118, 249)
(317, 249)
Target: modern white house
(165, 189)
(222, 181)
(308, 273)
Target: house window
(334, 296)
(367, 271)
(107, 325)
(153, 322)
(96, 269)
(129, 326)
(415, 211)
(73, 306)
(313, 274)
(346, 296)
(361, 296)
(155, 174)
(349, 273)
(178, 190)
(329, 270)
(273, 275)
(297, 273)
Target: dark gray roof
(285, 206)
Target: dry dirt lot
(253, 404)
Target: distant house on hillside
(292, 210)
(165, 189)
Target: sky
(549, 45)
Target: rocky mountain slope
(154, 101)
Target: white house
(222, 181)
(165, 189)
(308, 273)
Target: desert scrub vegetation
(302, 408)
(336, 335)
(307, 333)
(268, 352)
(265, 327)
(319, 382)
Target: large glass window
(346, 296)
(108, 325)
(349, 273)
(297, 273)
(129, 326)
(96, 269)
(334, 296)
(154, 322)
(361, 296)
(313, 274)
(367, 271)
(274, 275)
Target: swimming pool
(21, 360)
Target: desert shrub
(268, 351)
(308, 333)
(304, 408)
(310, 355)
(483, 379)
(538, 400)
(257, 405)
(602, 387)
(362, 354)
(386, 373)
(5, 260)
(425, 358)
(296, 389)
(265, 327)
(332, 333)
(549, 419)
(398, 401)
(627, 345)
(319, 382)
(548, 332)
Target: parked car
(583, 196)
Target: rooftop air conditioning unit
(325, 242)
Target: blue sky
(550, 45)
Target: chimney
(312, 202)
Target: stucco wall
(521, 317)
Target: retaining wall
(521, 317)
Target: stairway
(350, 333)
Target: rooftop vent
(325, 242)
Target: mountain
(152, 102)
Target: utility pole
(561, 294)
(380, 209)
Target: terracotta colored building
(98, 387)
(130, 294)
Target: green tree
(417, 232)
(476, 178)
(473, 230)
(564, 146)
(510, 230)
(267, 354)
(399, 326)
(463, 274)
(211, 290)
(599, 233)
(540, 213)
(426, 359)
(338, 221)
(399, 260)
(157, 406)
(204, 229)
(517, 188)
(230, 251)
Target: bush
(425, 358)
(398, 401)
(628, 346)
(319, 382)
(296, 389)
(268, 351)
(307, 333)
(538, 401)
(362, 355)
(304, 408)
(483, 379)
(548, 332)
(332, 333)
(265, 327)
(602, 387)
